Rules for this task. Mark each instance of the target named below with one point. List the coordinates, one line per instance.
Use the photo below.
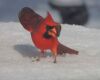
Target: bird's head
(52, 28)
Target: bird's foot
(54, 61)
(35, 59)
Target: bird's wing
(29, 19)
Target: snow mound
(17, 50)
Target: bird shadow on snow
(27, 50)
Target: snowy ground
(17, 50)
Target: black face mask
(49, 28)
(46, 34)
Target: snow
(17, 50)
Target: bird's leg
(40, 55)
(43, 55)
(55, 61)
(54, 55)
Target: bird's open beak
(53, 32)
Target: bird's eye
(49, 27)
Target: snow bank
(17, 50)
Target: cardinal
(44, 32)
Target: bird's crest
(49, 20)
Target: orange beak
(53, 32)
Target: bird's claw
(55, 61)
(35, 59)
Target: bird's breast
(42, 43)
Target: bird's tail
(63, 49)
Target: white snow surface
(17, 50)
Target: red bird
(44, 32)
